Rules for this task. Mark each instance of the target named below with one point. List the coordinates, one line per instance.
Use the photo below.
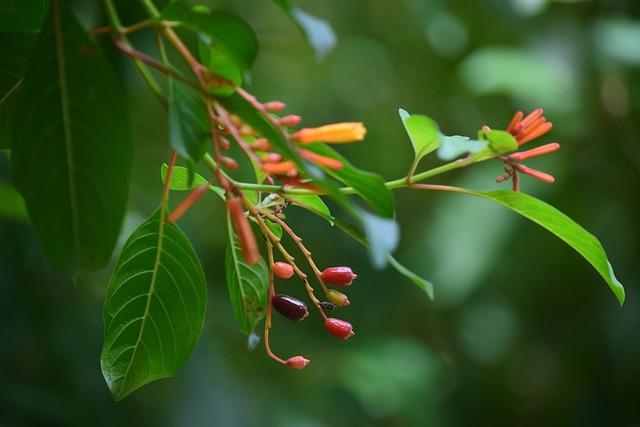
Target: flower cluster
(525, 129)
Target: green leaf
(180, 180)
(22, 15)
(452, 147)
(154, 309)
(72, 146)
(14, 50)
(562, 226)
(229, 34)
(382, 235)
(189, 132)
(248, 285)
(318, 32)
(218, 60)
(311, 202)
(500, 143)
(12, 206)
(423, 284)
(368, 185)
(423, 132)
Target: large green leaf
(318, 32)
(228, 33)
(14, 50)
(22, 15)
(154, 310)
(562, 226)
(188, 122)
(72, 146)
(248, 285)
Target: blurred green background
(522, 330)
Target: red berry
(339, 328)
(339, 276)
(289, 307)
(297, 362)
(282, 270)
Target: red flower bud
(339, 276)
(289, 307)
(339, 328)
(282, 270)
(297, 362)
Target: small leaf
(22, 15)
(423, 284)
(452, 147)
(154, 309)
(318, 32)
(188, 122)
(180, 180)
(423, 132)
(368, 185)
(248, 285)
(72, 148)
(312, 202)
(382, 234)
(562, 226)
(228, 33)
(500, 143)
(14, 50)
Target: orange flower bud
(260, 144)
(246, 238)
(334, 133)
(327, 162)
(534, 152)
(285, 168)
(291, 120)
(541, 176)
(274, 106)
(229, 163)
(186, 203)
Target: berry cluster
(296, 310)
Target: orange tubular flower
(321, 160)
(525, 129)
(530, 127)
(335, 133)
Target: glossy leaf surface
(154, 310)
(189, 124)
(228, 33)
(562, 226)
(248, 285)
(22, 15)
(14, 50)
(72, 146)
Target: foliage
(71, 156)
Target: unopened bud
(338, 298)
(260, 144)
(291, 120)
(339, 328)
(297, 362)
(274, 106)
(339, 276)
(333, 133)
(229, 163)
(283, 270)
